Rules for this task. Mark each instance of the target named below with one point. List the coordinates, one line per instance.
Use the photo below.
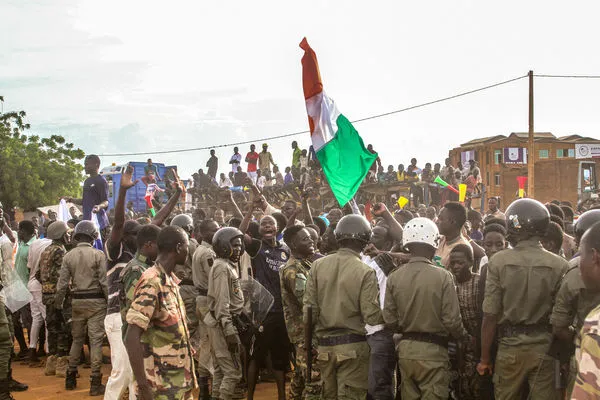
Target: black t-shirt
(266, 262)
(95, 191)
(117, 257)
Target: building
(565, 167)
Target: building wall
(555, 177)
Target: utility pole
(531, 143)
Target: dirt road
(43, 387)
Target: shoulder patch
(210, 261)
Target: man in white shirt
(235, 160)
(381, 341)
(224, 181)
(38, 309)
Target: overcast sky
(135, 76)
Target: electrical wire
(568, 76)
(307, 131)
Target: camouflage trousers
(59, 335)
(298, 388)
(5, 342)
(88, 313)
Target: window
(487, 178)
(564, 153)
(497, 179)
(497, 156)
(487, 157)
(544, 154)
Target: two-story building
(565, 167)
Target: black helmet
(222, 241)
(184, 221)
(353, 226)
(527, 216)
(86, 228)
(585, 222)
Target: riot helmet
(527, 216)
(355, 227)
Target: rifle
(308, 343)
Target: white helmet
(421, 230)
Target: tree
(35, 171)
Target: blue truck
(136, 194)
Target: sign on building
(587, 150)
(465, 156)
(515, 155)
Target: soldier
(84, 267)
(587, 384)
(574, 300)
(293, 283)
(343, 295)
(132, 272)
(202, 262)
(58, 334)
(157, 338)
(225, 304)
(184, 273)
(519, 292)
(421, 303)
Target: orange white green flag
(338, 146)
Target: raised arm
(246, 223)
(381, 210)
(126, 183)
(164, 212)
(308, 218)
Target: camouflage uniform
(202, 262)
(225, 299)
(188, 291)
(59, 335)
(293, 278)
(128, 279)
(587, 384)
(573, 303)
(158, 309)
(84, 267)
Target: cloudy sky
(143, 76)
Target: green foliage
(35, 171)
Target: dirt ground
(43, 387)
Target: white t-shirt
(382, 282)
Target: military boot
(71, 380)
(33, 359)
(96, 386)
(15, 386)
(4, 391)
(204, 393)
(50, 365)
(62, 364)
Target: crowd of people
(366, 301)
(304, 171)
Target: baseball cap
(265, 145)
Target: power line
(307, 131)
(568, 76)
